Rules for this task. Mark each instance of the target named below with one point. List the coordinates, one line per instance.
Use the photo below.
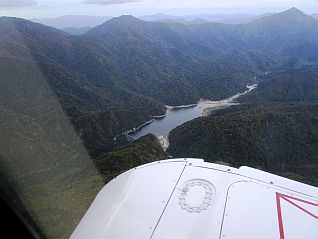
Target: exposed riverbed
(177, 115)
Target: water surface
(177, 116)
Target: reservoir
(178, 115)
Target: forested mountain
(128, 69)
(145, 150)
(73, 21)
(25, 46)
(162, 61)
(287, 86)
(274, 129)
(280, 138)
(205, 18)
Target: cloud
(17, 3)
(108, 2)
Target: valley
(65, 101)
(273, 129)
(178, 115)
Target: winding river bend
(177, 115)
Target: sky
(53, 8)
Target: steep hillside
(145, 150)
(274, 129)
(278, 138)
(42, 157)
(125, 70)
(25, 53)
(163, 62)
(287, 86)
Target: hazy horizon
(112, 8)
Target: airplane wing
(191, 199)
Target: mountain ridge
(86, 21)
(72, 21)
(142, 66)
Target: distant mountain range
(199, 19)
(81, 24)
(125, 70)
(72, 21)
(78, 21)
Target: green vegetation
(276, 130)
(279, 138)
(297, 85)
(145, 150)
(43, 162)
(120, 73)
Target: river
(177, 115)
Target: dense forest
(122, 72)
(145, 150)
(286, 86)
(280, 138)
(274, 129)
